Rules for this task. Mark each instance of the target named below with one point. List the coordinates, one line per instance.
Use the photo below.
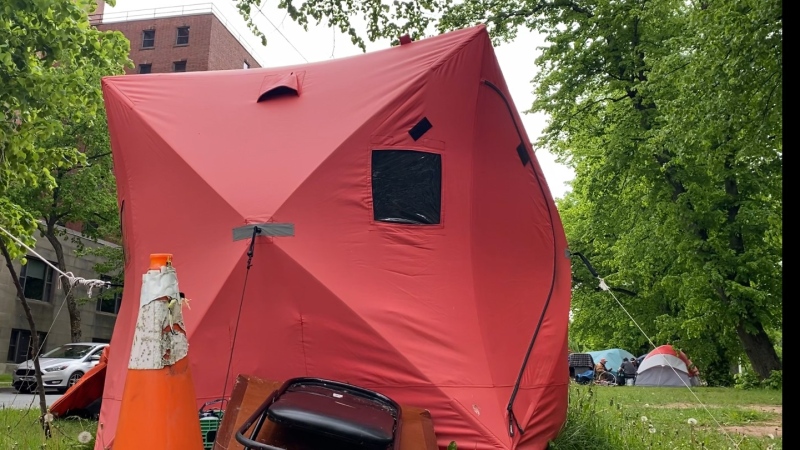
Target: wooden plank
(249, 392)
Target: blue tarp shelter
(613, 357)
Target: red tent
(408, 241)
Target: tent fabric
(426, 286)
(670, 350)
(86, 391)
(613, 356)
(665, 367)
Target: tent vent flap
(280, 85)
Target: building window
(407, 187)
(246, 65)
(145, 68)
(148, 38)
(179, 66)
(36, 279)
(110, 299)
(20, 347)
(183, 36)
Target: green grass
(20, 430)
(606, 418)
(599, 418)
(5, 379)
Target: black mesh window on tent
(407, 187)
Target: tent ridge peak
(108, 83)
(479, 30)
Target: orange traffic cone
(158, 409)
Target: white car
(61, 367)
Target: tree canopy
(50, 62)
(670, 113)
(83, 195)
(672, 119)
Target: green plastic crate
(210, 421)
(209, 424)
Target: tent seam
(479, 426)
(455, 51)
(472, 211)
(150, 128)
(328, 288)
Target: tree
(672, 121)
(47, 45)
(83, 194)
(670, 113)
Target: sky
(288, 43)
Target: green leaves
(667, 197)
(381, 19)
(51, 61)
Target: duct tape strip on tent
(265, 229)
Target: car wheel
(74, 378)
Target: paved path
(9, 398)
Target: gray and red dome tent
(403, 235)
(666, 366)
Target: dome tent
(664, 366)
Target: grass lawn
(5, 379)
(20, 430)
(599, 418)
(623, 417)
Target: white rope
(605, 287)
(69, 276)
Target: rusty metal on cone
(158, 409)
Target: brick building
(180, 39)
(191, 38)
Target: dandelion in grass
(692, 422)
(644, 419)
(771, 436)
(652, 429)
(84, 437)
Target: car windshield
(70, 351)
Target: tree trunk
(34, 338)
(74, 317)
(72, 306)
(759, 349)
